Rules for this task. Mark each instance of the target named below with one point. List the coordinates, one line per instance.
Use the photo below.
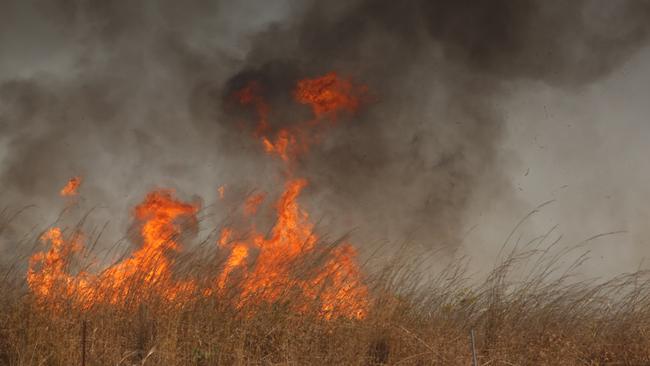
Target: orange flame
(52, 277)
(284, 145)
(253, 203)
(337, 286)
(151, 263)
(71, 188)
(327, 96)
(269, 267)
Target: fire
(284, 263)
(253, 203)
(150, 264)
(159, 214)
(52, 276)
(70, 189)
(285, 145)
(329, 94)
(222, 192)
(336, 287)
(251, 95)
(268, 277)
(237, 258)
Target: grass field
(528, 311)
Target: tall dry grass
(530, 310)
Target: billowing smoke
(132, 95)
(410, 163)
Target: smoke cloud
(135, 95)
(409, 165)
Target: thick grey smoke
(133, 95)
(104, 90)
(409, 165)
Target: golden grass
(528, 311)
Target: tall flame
(336, 286)
(151, 264)
(269, 266)
(48, 271)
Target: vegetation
(530, 310)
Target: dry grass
(541, 317)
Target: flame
(237, 258)
(337, 287)
(71, 188)
(344, 294)
(52, 276)
(151, 264)
(253, 203)
(285, 145)
(251, 95)
(328, 95)
(261, 268)
(222, 192)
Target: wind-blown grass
(529, 310)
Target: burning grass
(286, 297)
(413, 317)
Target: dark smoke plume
(415, 158)
(133, 95)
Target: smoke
(135, 95)
(409, 165)
(104, 91)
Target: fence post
(474, 359)
(83, 342)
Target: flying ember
(71, 188)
